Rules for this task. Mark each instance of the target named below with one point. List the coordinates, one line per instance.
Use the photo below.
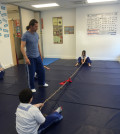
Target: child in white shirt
(83, 59)
(29, 119)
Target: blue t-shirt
(31, 40)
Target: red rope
(69, 80)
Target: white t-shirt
(28, 119)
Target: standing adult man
(32, 55)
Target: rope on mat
(62, 85)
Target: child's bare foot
(76, 64)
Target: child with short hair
(1, 72)
(29, 119)
(83, 59)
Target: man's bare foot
(89, 64)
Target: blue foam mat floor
(47, 61)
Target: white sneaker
(33, 90)
(59, 109)
(35, 76)
(45, 85)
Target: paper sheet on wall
(102, 24)
(4, 29)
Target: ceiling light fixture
(95, 1)
(45, 5)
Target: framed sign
(68, 29)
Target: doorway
(15, 33)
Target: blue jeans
(87, 60)
(1, 74)
(36, 65)
(50, 119)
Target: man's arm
(23, 44)
(40, 51)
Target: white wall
(5, 46)
(98, 47)
(37, 17)
(26, 16)
(67, 49)
(14, 16)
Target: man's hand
(27, 61)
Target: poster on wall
(68, 29)
(42, 23)
(57, 30)
(17, 29)
(102, 24)
(4, 29)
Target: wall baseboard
(107, 59)
(8, 66)
(61, 57)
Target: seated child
(29, 119)
(83, 59)
(1, 72)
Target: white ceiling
(63, 4)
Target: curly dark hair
(31, 23)
(25, 95)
